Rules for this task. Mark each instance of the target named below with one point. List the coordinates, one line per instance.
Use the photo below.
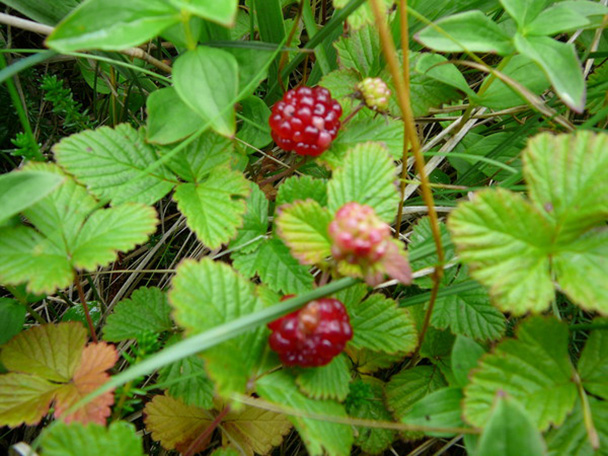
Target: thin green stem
(85, 307)
(190, 40)
(592, 434)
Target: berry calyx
(358, 235)
(313, 335)
(375, 93)
(306, 121)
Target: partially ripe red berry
(358, 235)
(306, 121)
(313, 335)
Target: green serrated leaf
(12, 317)
(19, 190)
(112, 25)
(567, 181)
(196, 161)
(326, 382)
(110, 161)
(409, 386)
(206, 294)
(302, 188)
(342, 84)
(360, 51)
(510, 431)
(378, 324)
(371, 407)
(164, 108)
(303, 226)
(187, 380)
(196, 80)
(440, 408)
(275, 266)
(214, 209)
(367, 176)
(505, 242)
(255, 222)
(46, 257)
(469, 313)
(387, 132)
(319, 437)
(593, 364)
(75, 439)
(534, 369)
(146, 311)
(469, 31)
(465, 356)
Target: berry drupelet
(313, 335)
(306, 121)
(358, 235)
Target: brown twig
(390, 53)
(287, 172)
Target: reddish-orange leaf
(89, 375)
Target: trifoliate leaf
(370, 406)
(174, 424)
(187, 380)
(302, 188)
(534, 369)
(367, 176)
(545, 240)
(387, 132)
(75, 439)
(593, 364)
(440, 408)
(214, 209)
(12, 317)
(465, 356)
(572, 438)
(510, 431)
(326, 382)
(69, 234)
(469, 313)
(112, 163)
(207, 294)
(303, 226)
(51, 363)
(567, 181)
(409, 386)
(320, 437)
(505, 242)
(275, 266)
(255, 222)
(146, 311)
(360, 51)
(379, 325)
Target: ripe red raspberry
(306, 121)
(358, 235)
(313, 335)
